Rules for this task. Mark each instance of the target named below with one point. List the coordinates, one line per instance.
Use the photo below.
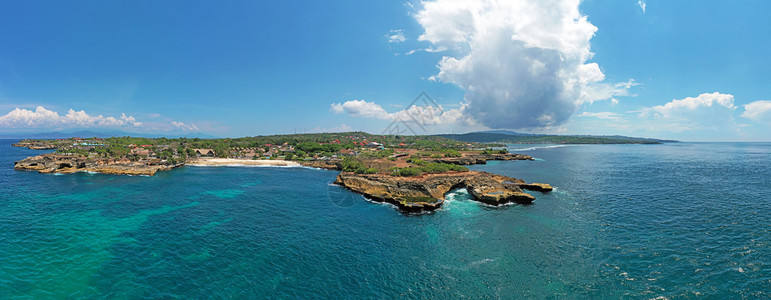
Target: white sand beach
(237, 162)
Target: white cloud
(44, 118)
(706, 117)
(642, 5)
(605, 115)
(522, 64)
(429, 50)
(185, 127)
(704, 101)
(361, 108)
(605, 91)
(48, 119)
(396, 36)
(431, 115)
(758, 111)
(706, 112)
(423, 115)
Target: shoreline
(209, 162)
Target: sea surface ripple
(676, 220)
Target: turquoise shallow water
(639, 221)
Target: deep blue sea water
(640, 221)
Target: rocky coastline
(66, 164)
(427, 192)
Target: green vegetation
(406, 172)
(430, 168)
(493, 151)
(355, 165)
(451, 153)
(416, 161)
(357, 152)
(311, 147)
(420, 199)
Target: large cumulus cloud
(522, 64)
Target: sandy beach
(235, 162)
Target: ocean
(678, 220)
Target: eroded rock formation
(426, 192)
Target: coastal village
(171, 151)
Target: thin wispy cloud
(606, 115)
(606, 91)
(184, 127)
(642, 5)
(396, 36)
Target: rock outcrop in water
(322, 164)
(52, 163)
(538, 187)
(426, 192)
(479, 159)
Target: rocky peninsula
(412, 173)
(427, 192)
(65, 164)
(36, 145)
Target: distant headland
(511, 137)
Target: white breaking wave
(457, 195)
(535, 148)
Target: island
(413, 173)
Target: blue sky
(688, 70)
